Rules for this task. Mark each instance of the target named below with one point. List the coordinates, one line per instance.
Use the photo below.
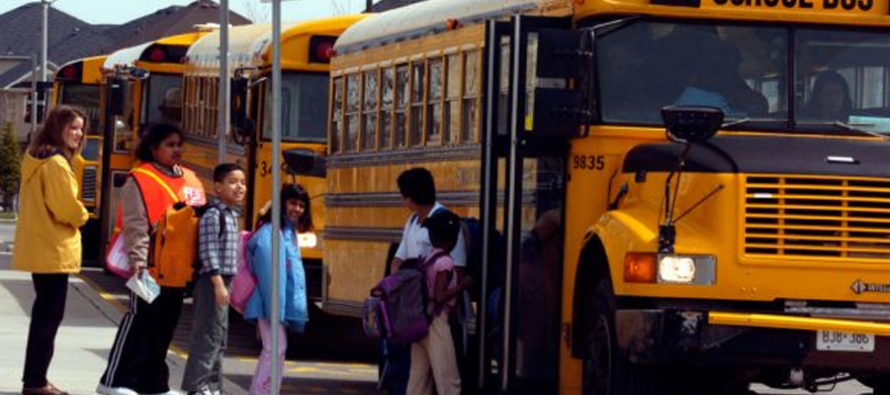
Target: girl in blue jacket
(293, 313)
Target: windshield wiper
(845, 127)
(751, 121)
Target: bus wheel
(879, 384)
(606, 372)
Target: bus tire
(605, 370)
(880, 385)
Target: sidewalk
(83, 341)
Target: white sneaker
(106, 390)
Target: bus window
(402, 92)
(842, 76)
(452, 105)
(645, 66)
(417, 86)
(304, 98)
(369, 111)
(123, 126)
(163, 99)
(350, 141)
(87, 98)
(471, 89)
(386, 108)
(434, 103)
(337, 118)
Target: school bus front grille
(88, 187)
(800, 216)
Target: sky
(120, 11)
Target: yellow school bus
(626, 250)
(78, 83)
(141, 85)
(306, 48)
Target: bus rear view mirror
(691, 124)
(304, 162)
(138, 74)
(117, 95)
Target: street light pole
(43, 54)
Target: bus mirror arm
(685, 125)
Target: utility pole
(224, 80)
(44, 38)
(274, 319)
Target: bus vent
(88, 186)
(828, 217)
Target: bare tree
(254, 12)
(343, 7)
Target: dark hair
(826, 78)
(49, 139)
(292, 192)
(222, 170)
(155, 135)
(417, 184)
(444, 228)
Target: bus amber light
(639, 267)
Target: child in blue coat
(293, 312)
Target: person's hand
(221, 295)
(138, 268)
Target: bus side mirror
(239, 101)
(691, 124)
(119, 91)
(137, 73)
(305, 162)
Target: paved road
(7, 231)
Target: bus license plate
(844, 341)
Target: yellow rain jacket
(47, 238)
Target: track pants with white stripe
(138, 358)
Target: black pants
(46, 316)
(138, 358)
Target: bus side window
(336, 126)
(452, 104)
(471, 94)
(353, 92)
(369, 111)
(402, 92)
(434, 103)
(417, 93)
(386, 107)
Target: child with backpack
(293, 311)
(218, 237)
(433, 358)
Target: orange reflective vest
(160, 191)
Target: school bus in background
(140, 85)
(306, 48)
(617, 260)
(78, 83)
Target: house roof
(169, 21)
(71, 38)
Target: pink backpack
(244, 282)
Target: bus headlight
(307, 240)
(687, 269)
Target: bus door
(532, 108)
(118, 145)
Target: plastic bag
(144, 286)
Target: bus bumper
(741, 339)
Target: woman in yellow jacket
(47, 239)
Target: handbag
(244, 282)
(117, 261)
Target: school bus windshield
(304, 99)
(840, 78)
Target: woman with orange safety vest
(137, 362)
